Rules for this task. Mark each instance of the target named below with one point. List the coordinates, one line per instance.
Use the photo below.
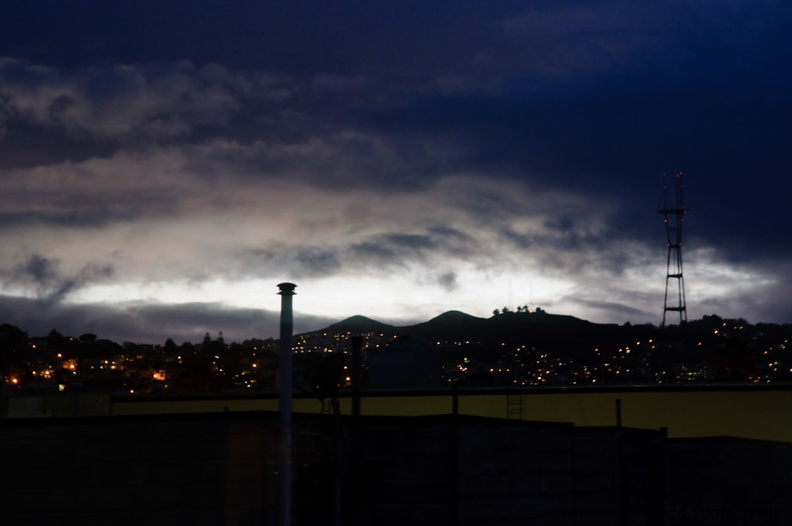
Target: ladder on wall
(514, 406)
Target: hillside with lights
(511, 348)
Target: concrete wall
(66, 404)
(722, 480)
(472, 471)
(756, 413)
(220, 469)
(201, 470)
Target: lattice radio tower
(673, 217)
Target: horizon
(330, 322)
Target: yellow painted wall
(760, 414)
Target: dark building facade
(221, 469)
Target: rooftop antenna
(673, 217)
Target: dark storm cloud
(605, 130)
(50, 283)
(302, 261)
(391, 250)
(771, 307)
(266, 126)
(411, 242)
(38, 270)
(152, 323)
(382, 251)
(377, 255)
(316, 261)
(399, 38)
(409, 38)
(430, 140)
(447, 280)
(615, 310)
(126, 105)
(191, 321)
(101, 216)
(562, 232)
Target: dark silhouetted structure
(673, 217)
(442, 470)
(285, 399)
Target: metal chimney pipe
(285, 399)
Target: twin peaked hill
(508, 328)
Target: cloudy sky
(164, 165)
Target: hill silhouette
(357, 324)
(539, 348)
(507, 328)
(449, 325)
(526, 348)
